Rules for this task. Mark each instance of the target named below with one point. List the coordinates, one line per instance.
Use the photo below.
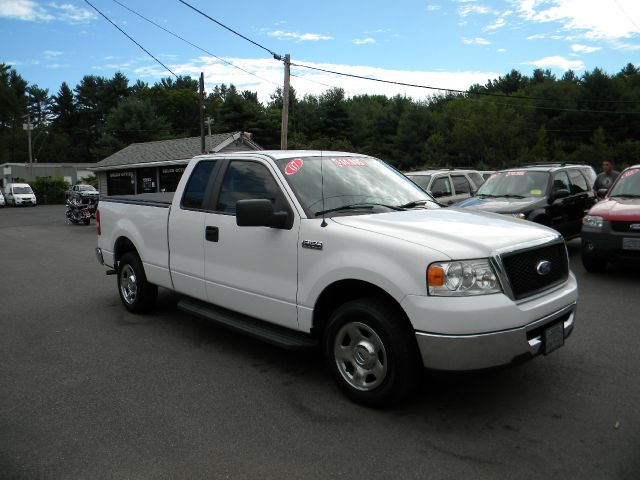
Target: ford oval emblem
(543, 267)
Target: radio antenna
(324, 221)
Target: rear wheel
(371, 352)
(136, 293)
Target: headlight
(521, 216)
(462, 278)
(593, 221)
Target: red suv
(611, 229)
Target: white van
(19, 194)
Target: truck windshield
(22, 190)
(628, 184)
(515, 183)
(350, 182)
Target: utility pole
(285, 103)
(28, 127)
(202, 147)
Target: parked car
(555, 195)
(447, 186)
(19, 194)
(486, 174)
(611, 229)
(2, 201)
(338, 252)
(82, 192)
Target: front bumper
(608, 244)
(479, 351)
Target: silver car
(448, 186)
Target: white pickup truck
(339, 251)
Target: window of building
(170, 177)
(121, 183)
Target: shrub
(49, 191)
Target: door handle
(211, 234)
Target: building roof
(178, 150)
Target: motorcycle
(78, 212)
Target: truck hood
(457, 233)
(615, 208)
(500, 204)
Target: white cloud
(598, 20)
(501, 50)
(312, 82)
(499, 23)
(69, 13)
(27, 10)
(364, 41)
(584, 48)
(282, 35)
(433, 8)
(31, 11)
(475, 41)
(473, 9)
(51, 54)
(558, 62)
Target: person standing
(605, 179)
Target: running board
(274, 334)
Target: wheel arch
(122, 246)
(343, 291)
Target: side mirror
(601, 192)
(259, 212)
(560, 193)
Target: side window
(578, 181)
(441, 187)
(477, 178)
(244, 180)
(461, 184)
(561, 181)
(197, 185)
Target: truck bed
(157, 199)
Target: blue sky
(446, 44)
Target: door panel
(252, 270)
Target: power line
(462, 92)
(275, 55)
(627, 15)
(193, 44)
(130, 38)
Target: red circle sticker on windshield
(293, 166)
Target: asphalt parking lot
(88, 390)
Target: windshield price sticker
(293, 166)
(515, 174)
(630, 172)
(348, 162)
(493, 177)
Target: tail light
(98, 229)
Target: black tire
(86, 221)
(593, 264)
(372, 352)
(136, 293)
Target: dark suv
(556, 195)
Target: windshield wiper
(626, 195)
(487, 195)
(509, 196)
(357, 206)
(413, 204)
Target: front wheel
(371, 352)
(136, 293)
